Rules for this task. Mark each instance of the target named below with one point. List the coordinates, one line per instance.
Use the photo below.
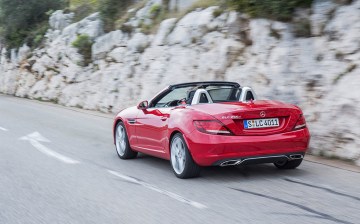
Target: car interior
(205, 94)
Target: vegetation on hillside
(111, 10)
(83, 8)
(83, 43)
(25, 21)
(272, 9)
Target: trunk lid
(233, 114)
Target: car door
(152, 123)
(151, 130)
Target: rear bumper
(208, 150)
(260, 159)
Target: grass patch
(83, 8)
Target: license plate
(261, 123)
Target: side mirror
(143, 105)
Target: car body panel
(208, 149)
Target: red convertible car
(212, 124)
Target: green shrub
(38, 39)
(272, 9)
(84, 43)
(111, 10)
(126, 28)
(155, 10)
(217, 12)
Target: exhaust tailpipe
(296, 156)
(231, 163)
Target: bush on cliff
(84, 43)
(25, 21)
(111, 10)
(83, 8)
(272, 9)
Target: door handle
(164, 118)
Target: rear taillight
(213, 127)
(301, 123)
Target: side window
(171, 98)
(249, 96)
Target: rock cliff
(319, 73)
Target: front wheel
(181, 161)
(287, 165)
(122, 143)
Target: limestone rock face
(180, 5)
(138, 43)
(319, 73)
(163, 32)
(191, 27)
(108, 42)
(24, 52)
(58, 20)
(91, 25)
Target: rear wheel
(287, 165)
(122, 143)
(181, 161)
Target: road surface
(59, 165)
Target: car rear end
(243, 133)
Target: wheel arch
(174, 132)
(116, 122)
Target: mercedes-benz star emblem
(262, 114)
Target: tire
(122, 144)
(288, 165)
(181, 160)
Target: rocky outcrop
(319, 73)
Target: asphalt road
(59, 165)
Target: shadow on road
(230, 173)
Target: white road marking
(3, 129)
(161, 191)
(35, 139)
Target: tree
(19, 19)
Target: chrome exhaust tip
(231, 163)
(296, 156)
